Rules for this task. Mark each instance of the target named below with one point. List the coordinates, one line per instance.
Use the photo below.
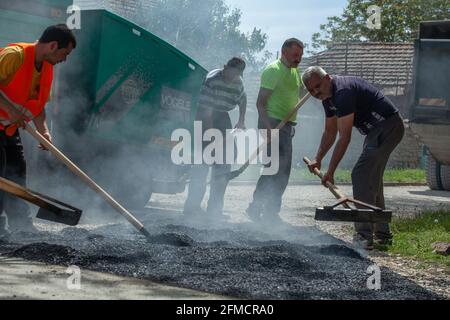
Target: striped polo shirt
(219, 95)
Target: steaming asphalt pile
(239, 260)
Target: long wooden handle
(72, 167)
(21, 192)
(279, 126)
(334, 190)
(293, 111)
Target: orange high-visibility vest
(18, 90)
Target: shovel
(365, 212)
(49, 209)
(117, 206)
(236, 173)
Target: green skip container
(116, 100)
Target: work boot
(362, 243)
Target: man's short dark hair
(291, 42)
(59, 33)
(236, 63)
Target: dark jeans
(199, 175)
(270, 188)
(13, 167)
(367, 175)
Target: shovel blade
(70, 218)
(353, 215)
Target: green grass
(415, 237)
(343, 176)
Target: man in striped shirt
(221, 92)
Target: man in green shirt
(278, 95)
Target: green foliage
(341, 175)
(415, 237)
(399, 21)
(207, 30)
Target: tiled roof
(385, 64)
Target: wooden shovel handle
(334, 190)
(77, 171)
(279, 127)
(21, 192)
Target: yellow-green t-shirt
(285, 83)
(11, 58)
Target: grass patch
(415, 237)
(343, 176)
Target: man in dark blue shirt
(353, 102)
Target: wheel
(434, 174)
(445, 177)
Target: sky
(283, 19)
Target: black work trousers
(13, 167)
(367, 175)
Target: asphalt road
(293, 260)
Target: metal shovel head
(68, 217)
(353, 215)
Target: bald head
(318, 82)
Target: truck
(114, 104)
(430, 109)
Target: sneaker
(362, 243)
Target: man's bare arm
(41, 123)
(345, 126)
(242, 111)
(41, 126)
(263, 98)
(328, 139)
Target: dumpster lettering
(175, 105)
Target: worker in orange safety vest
(26, 75)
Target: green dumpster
(117, 100)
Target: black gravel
(241, 261)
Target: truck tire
(445, 177)
(434, 174)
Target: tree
(206, 30)
(399, 21)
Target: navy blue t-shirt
(356, 95)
